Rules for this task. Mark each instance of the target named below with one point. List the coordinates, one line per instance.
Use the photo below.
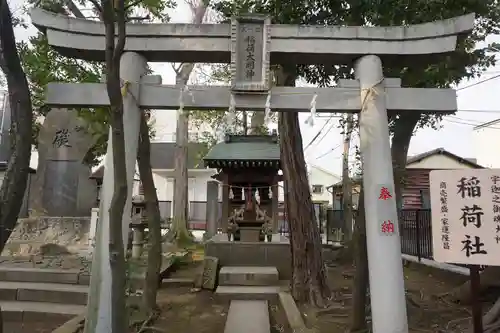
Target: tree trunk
(153, 212)
(309, 277)
(180, 232)
(16, 177)
(360, 284)
(404, 127)
(346, 180)
(116, 15)
(116, 246)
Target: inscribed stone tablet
(250, 54)
(60, 191)
(63, 136)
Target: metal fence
(416, 232)
(284, 229)
(414, 228)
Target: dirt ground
(429, 310)
(187, 310)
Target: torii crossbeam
(166, 97)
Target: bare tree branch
(73, 8)
(133, 4)
(177, 68)
(97, 6)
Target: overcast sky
(476, 102)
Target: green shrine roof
(245, 151)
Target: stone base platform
(276, 253)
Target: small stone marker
(208, 276)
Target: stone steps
(42, 295)
(248, 283)
(248, 317)
(72, 294)
(15, 311)
(37, 275)
(248, 276)
(248, 292)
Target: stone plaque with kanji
(250, 53)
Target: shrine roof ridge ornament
(84, 39)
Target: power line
(467, 124)
(328, 152)
(479, 82)
(479, 111)
(328, 131)
(472, 121)
(319, 132)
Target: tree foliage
(43, 64)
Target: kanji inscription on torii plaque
(250, 53)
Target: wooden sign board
(465, 206)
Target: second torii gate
(251, 44)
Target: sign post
(465, 207)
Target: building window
(141, 189)
(317, 189)
(425, 199)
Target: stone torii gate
(251, 45)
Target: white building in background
(163, 167)
(487, 137)
(319, 179)
(165, 125)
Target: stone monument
(62, 186)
